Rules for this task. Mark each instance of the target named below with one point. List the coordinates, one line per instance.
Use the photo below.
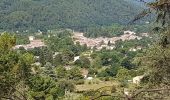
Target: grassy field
(94, 85)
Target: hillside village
(102, 42)
(98, 43)
(84, 49)
(34, 43)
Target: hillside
(75, 14)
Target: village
(98, 43)
(90, 81)
(102, 42)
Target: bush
(79, 82)
(97, 82)
(123, 84)
(66, 85)
(113, 89)
(89, 93)
(106, 79)
(89, 82)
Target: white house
(132, 49)
(89, 78)
(49, 36)
(31, 38)
(126, 91)
(76, 58)
(37, 64)
(137, 79)
(129, 32)
(55, 54)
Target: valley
(84, 50)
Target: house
(138, 47)
(129, 32)
(67, 67)
(39, 32)
(84, 73)
(33, 44)
(135, 49)
(145, 35)
(17, 46)
(126, 92)
(37, 64)
(137, 79)
(55, 54)
(36, 57)
(89, 78)
(31, 38)
(76, 58)
(132, 49)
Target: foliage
(33, 15)
(104, 31)
(44, 88)
(45, 56)
(15, 69)
(75, 74)
(123, 75)
(83, 62)
(21, 39)
(61, 72)
(66, 85)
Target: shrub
(106, 79)
(89, 82)
(79, 82)
(123, 84)
(113, 89)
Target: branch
(8, 98)
(18, 98)
(150, 90)
(130, 97)
(19, 93)
(106, 95)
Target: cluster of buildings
(34, 43)
(102, 42)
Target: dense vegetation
(50, 72)
(115, 30)
(51, 79)
(76, 14)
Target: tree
(83, 62)
(15, 69)
(44, 88)
(113, 70)
(97, 63)
(66, 85)
(74, 74)
(61, 72)
(127, 63)
(123, 75)
(57, 61)
(6, 43)
(46, 56)
(157, 58)
(49, 71)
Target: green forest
(33, 15)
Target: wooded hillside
(76, 14)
